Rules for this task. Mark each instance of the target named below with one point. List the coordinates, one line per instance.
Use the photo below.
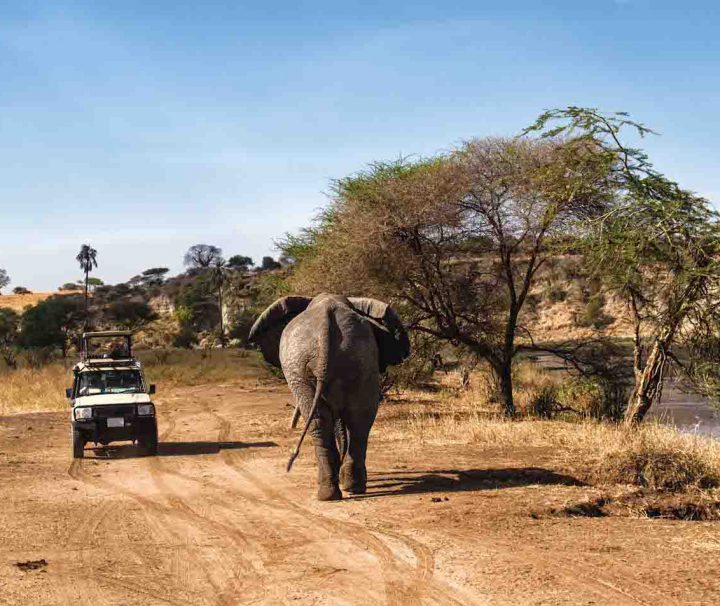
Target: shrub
(660, 459)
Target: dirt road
(215, 520)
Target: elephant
(332, 350)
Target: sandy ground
(215, 520)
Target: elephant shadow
(463, 480)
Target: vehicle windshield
(110, 381)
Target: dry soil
(214, 519)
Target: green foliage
(130, 314)
(198, 297)
(70, 286)
(9, 324)
(240, 262)
(268, 263)
(87, 258)
(186, 338)
(658, 246)
(52, 322)
(21, 290)
(4, 279)
(183, 315)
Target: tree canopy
(202, 256)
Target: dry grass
(652, 456)
(32, 390)
(43, 389)
(20, 302)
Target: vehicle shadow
(179, 449)
(175, 449)
(460, 480)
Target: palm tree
(87, 257)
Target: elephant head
(390, 335)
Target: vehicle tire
(78, 443)
(149, 444)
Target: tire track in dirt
(76, 541)
(258, 506)
(585, 577)
(158, 471)
(149, 585)
(174, 511)
(382, 553)
(399, 589)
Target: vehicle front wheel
(78, 444)
(149, 444)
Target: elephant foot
(350, 482)
(327, 492)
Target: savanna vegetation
(481, 249)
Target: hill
(20, 302)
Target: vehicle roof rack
(108, 333)
(126, 356)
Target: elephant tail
(321, 372)
(341, 436)
(311, 415)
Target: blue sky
(146, 127)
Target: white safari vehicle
(110, 398)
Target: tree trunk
(505, 387)
(648, 385)
(222, 322)
(87, 274)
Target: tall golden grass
(43, 389)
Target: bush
(186, 338)
(544, 403)
(656, 465)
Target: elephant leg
(322, 431)
(353, 475)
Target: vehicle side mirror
(152, 389)
(69, 393)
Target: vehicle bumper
(96, 430)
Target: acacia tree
(657, 247)
(87, 258)
(457, 239)
(54, 322)
(203, 256)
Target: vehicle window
(110, 381)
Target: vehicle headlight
(83, 413)
(145, 410)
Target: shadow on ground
(459, 480)
(176, 449)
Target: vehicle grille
(104, 412)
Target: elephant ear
(268, 328)
(390, 334)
